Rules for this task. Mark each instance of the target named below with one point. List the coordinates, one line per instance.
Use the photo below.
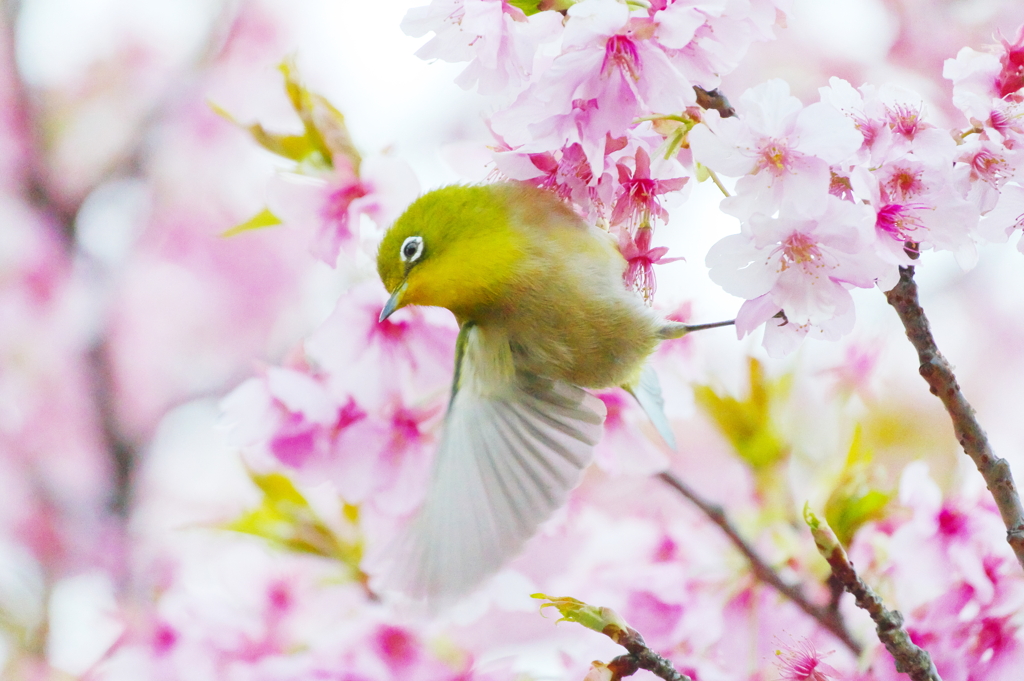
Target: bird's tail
(678, 329)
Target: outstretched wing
(508, 458)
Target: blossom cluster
(585, 87)
(839, 194)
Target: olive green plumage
(514, 260)
(543, 312)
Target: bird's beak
(394, 302)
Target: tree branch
(937, 372)
(910, 659)
(829, 618)
(641, 657)
(611, 624)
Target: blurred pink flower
(497, 39)
(1011, 73)
(416, 344)
(625, 448)
(329, 208)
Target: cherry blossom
(602, 80)
(640, 261)
(497, 39)
(803, 662)
(330, 207)
(782, 150)
(636, 203)
(802, 267)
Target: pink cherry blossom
(803, 662)
(329, 208)
(640, 261)
(1007, 217)
(497, 39)
(803, 266)
(417, 343)
(602, 80)
(782, 150)
(636, 203)
(624, 448)
(1011, 62)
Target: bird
(544, 315)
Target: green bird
(543, 313)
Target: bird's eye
(412, 249)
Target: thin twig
(829, 618)
(910, 659)
(610, 623)
(641, 657)
(939, 375)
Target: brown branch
(641, 657)
(910, 659)
(611, 624)
(938, 373)
(829, 618)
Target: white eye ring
(412, 249)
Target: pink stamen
(620, 51)
(905, 120)
(898, 221)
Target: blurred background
(125, 317)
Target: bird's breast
(569, 316)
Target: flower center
(905, 120)
(898, 221)
(988, 166)
(335, 209)
(799, 249)
(904, 183)
(774, 157)
(620, 51)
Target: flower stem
(829, 618)
(910, 659)
(718, 183)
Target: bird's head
(454, 248)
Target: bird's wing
(508, 458)
(647, 391)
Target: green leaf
(325, 141)
(604, 620)
(285, 519)
(855, 500)
(528, 6)
(298, 148)
(325, 127)
(747, 423)
(262, 219)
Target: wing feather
(507, 460)
(647, 391)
